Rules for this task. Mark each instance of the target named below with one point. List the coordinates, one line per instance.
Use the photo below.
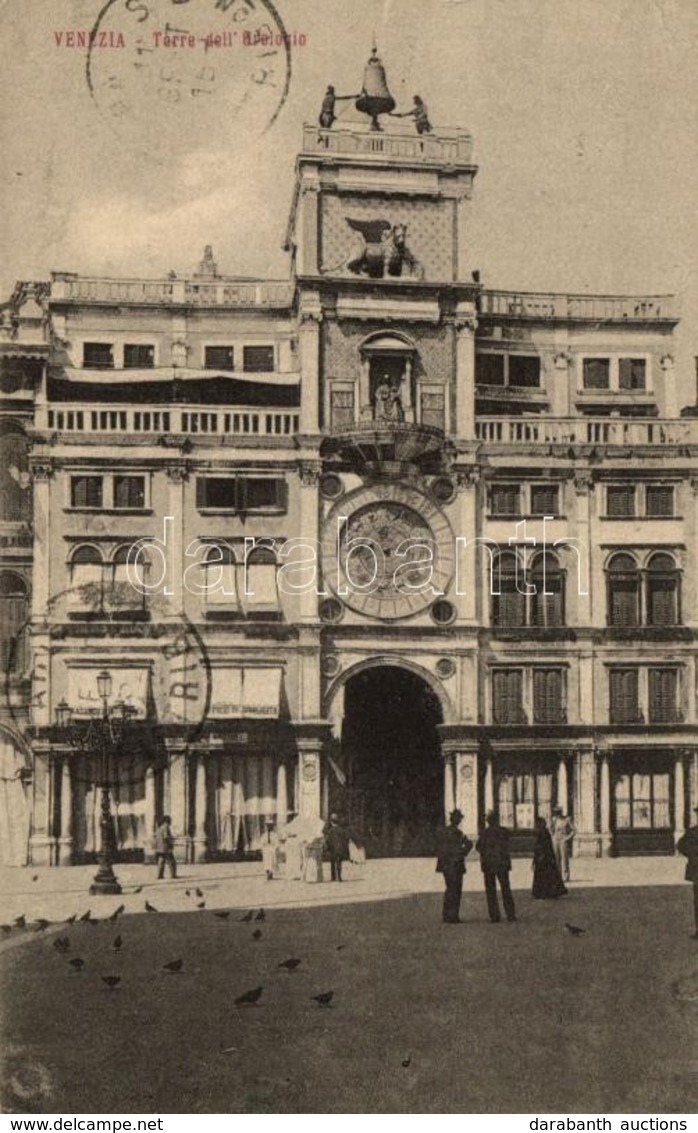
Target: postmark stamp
(158, 70)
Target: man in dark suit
(688, 846)
(493, 847)
(454, 848)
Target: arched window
(662, 583)
(623, 591)
(261, 594)
(508, 591)
(120, 593)
(220, 584)
(548, 599)
(86, 566)
(13, 618)
(15, 487)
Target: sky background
(584, 118)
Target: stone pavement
(55, 894)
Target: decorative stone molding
(177, 473)
(445, 668)
(311, 317)
(41, 472)
(466, 477)
(310, 472)
(465, 324)
(583, 483)
(667, 362)
(562, 360)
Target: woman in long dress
(547, 881)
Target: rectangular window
(242, 493)
(257, 359)
(663, 691)
(631, 373)
(620, 501)
(545, 499)
(129, 492)
(505, 499)
(524, 371)
(548, 704)
(659, 501)
(489, 369)
(643, 802)
(624, 705)
(624, 601)
(86, 491)
(342, 408)
(596, 373)
(218, 358)
(507, 696)
(137, 357)
(98, 356)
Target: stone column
(281, 797)
(199, 846)
(463, 426)
(173, 584)
(489, 785)
(149, 841)
(585, 783)
(679, 798)
(55, 771)
(578, 558)
(605, 805)
(178, 801)
(467, 789)
(562, 792)
(309, 777)
(65, 839)
(668, 380)
(307, 597)
(309, 350)
(468, 559)
(41, 522)
(449, 784)
(41, 840)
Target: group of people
(328, 117)
(550, 862)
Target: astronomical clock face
(388, 551)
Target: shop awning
(250, 692)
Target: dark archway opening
(391, 758)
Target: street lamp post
(101, 735)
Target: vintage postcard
(348, 530)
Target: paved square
(425, 1017)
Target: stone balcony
(386, 442)
(444, 147)
(216, 292)
(531, 305)
(621, 431)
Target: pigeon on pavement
(574, 930)
(249, 997)
(77, 963)
(150, 908)
(173, 966)
(324, 999)
(289, 965)
(111, 981)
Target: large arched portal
(390, 761)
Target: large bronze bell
(375, 98)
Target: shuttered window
(548, 696)
(505, 499)
(659, 501)
(86, 491)
(662, 589)
(241, 493)
(547, 602)
(631, 373)
(620, 501)
(663, 693)
(507, 696)
(545, 499)
(624, 705)
(13, 617)
(596, 373)
(129, 492)
(623, 592)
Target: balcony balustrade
(230, 421)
